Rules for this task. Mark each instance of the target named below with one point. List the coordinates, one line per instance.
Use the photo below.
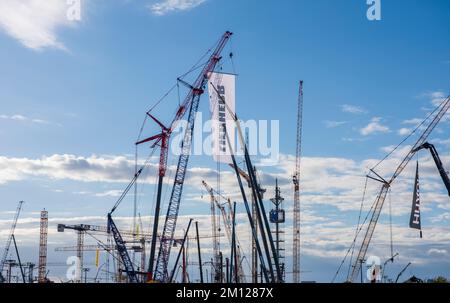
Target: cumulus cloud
(167, 6)
(415, 121)
(70, 167)
(34, 23)
(352, 109)
(436, 97)
(334, 183)
(374, 127)
(404, 131)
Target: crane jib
(379, 202)
(191, 101)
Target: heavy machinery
(81, 230)
(386, 185)
(402, 272)
(9, 240)
(216, 257)
(191, 102)
(255, 266)
(438, 162)
(226, 218)
(264, 226)
(296, 181)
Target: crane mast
(192, 100)
(217, 274)
(10, 238)
(228, 229)
(296, 181)
(379, 202)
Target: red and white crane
(191, 103)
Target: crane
(296, 181)
(216, 256)
(162, 140)
(386, 185)
(192, 102)
(401, 273)
(255, 219)
(438, 162)
(264, 225)
(228, 231)
(9, 240)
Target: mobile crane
(386, 185)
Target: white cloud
(439, 252)
(334, 124)
(415, 121)
(445, 142)
(110, 193)
(167, 6)
(70, 167)
(34, 23)
(356, 110)
(22, 118)
(374, 127)
(333, 182)
(404, 131)
(436, 97)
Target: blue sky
(73, 97)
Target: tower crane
(296, 181)
(191, 102)
(9, 240)
(386, 185)
(81, 230)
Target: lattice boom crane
(192, 101)
(379, 202)
(10, 237)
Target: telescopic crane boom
(379, 202)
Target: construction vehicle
(191, 103)
(263, 221)
(9, 240)
(386, 185)
(226, 217)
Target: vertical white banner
(222, 114)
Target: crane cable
(130, 185)
(409, 136)
(390, 224)
(359, 221)
(387, 156)
(354, 242)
